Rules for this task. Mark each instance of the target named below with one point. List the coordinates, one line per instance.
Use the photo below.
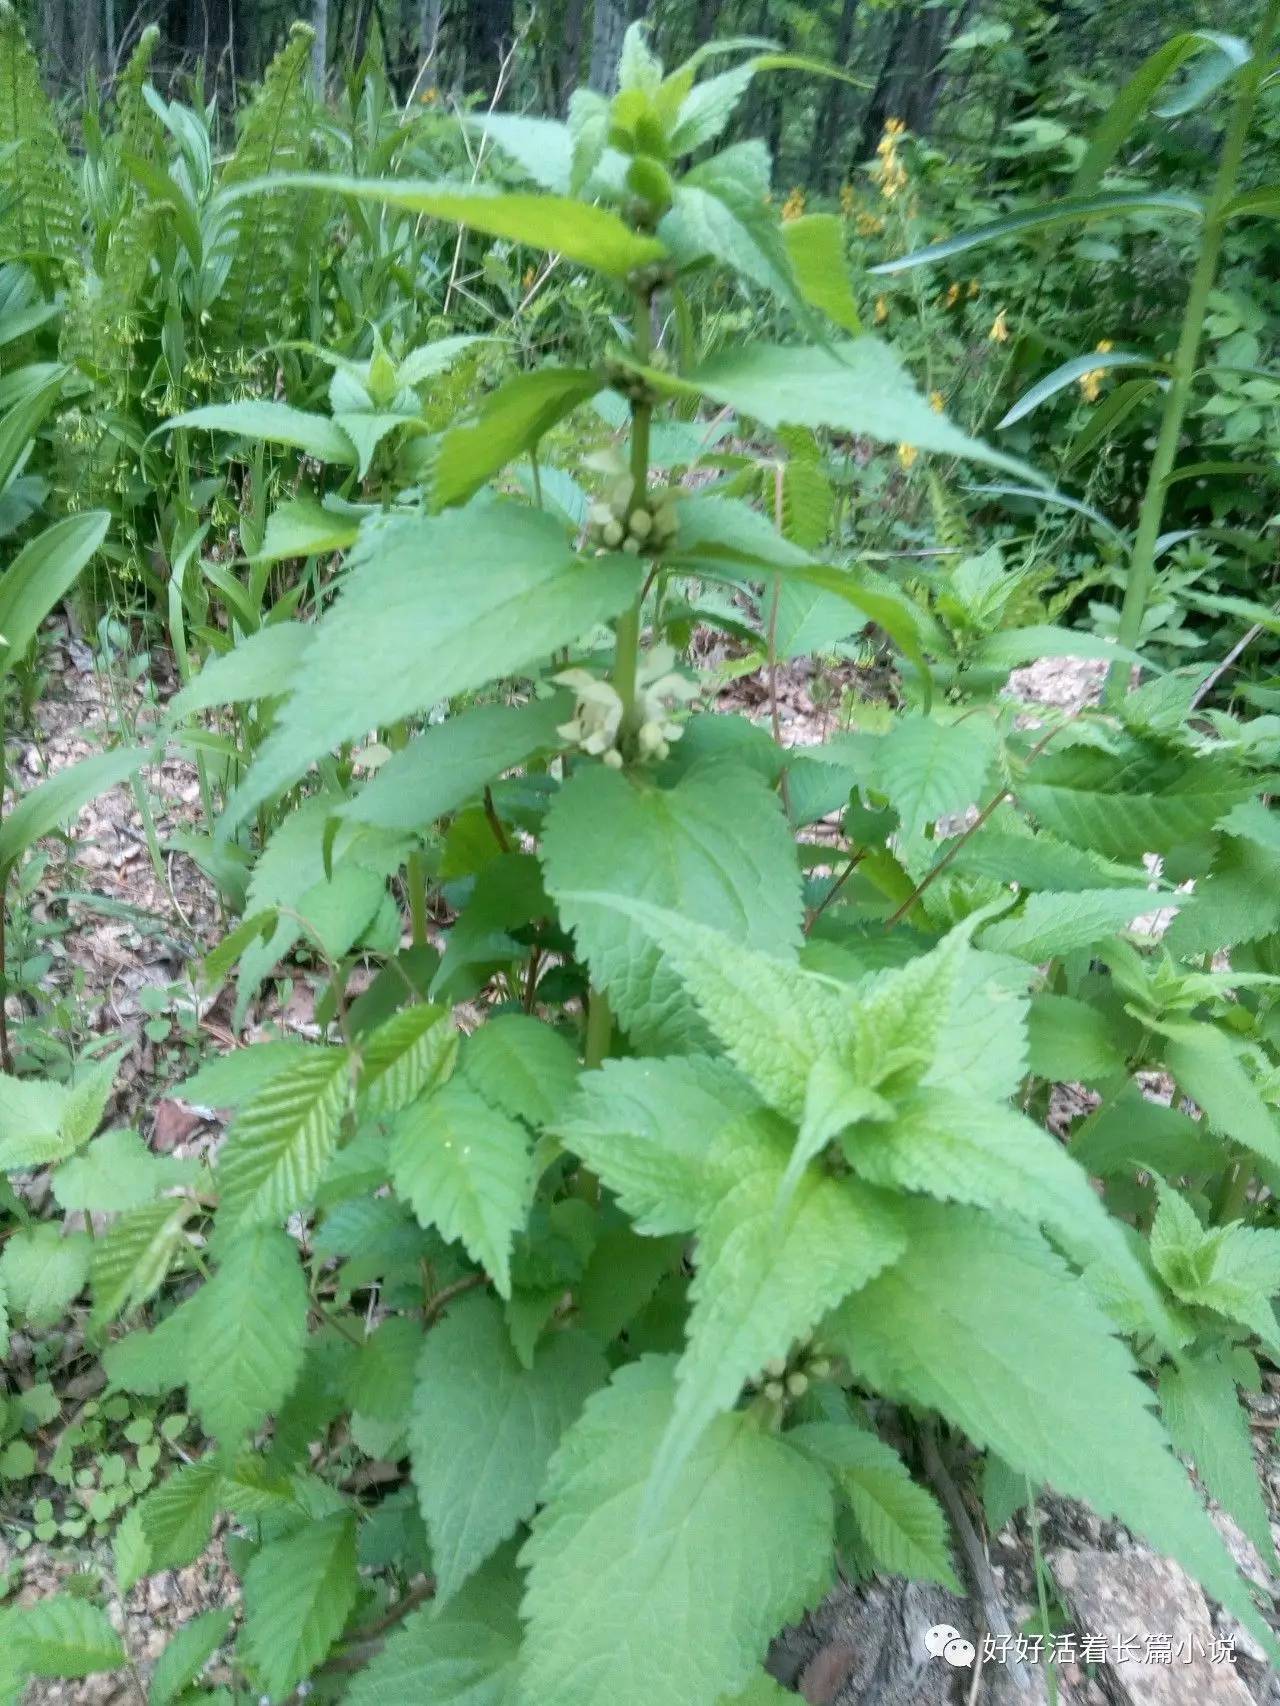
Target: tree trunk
(320, 46)
(569, 63)
(704, 21)
(53, 41)
(608, 26)
(885, 93)
(85, 40)
(826, 130)
(490, 30)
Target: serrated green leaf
(523, 1067)
(977, 1321)
(259, 666)
(765, 1278)
(900, 1521)
(247, 1333)
(714, 849)
(150, 1363)
(380, 1382)
(272, 423)
(42, 1271)
(31, 1123)
(433, 606)
(298, 1593)
(930, 769)
(277, 1147)
(449, 762)
(749, 1521)
(1071, 1041)
(483, 1429)
(646, 1127)
(412, 1052)
(301, 527)
(186, 1654)
(1206, 1423)
(506, 425)
(118, 1172)
(62, 1636)
(129, 1552)
(1207, 1066)
(581, 232)
(1049, 924)
(465, 1654)
(230, 1079)
(815, 244)
(177, 1516)
(465, 1168)
(130, 1263)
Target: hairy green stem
(1233, 1194)
(1177, 400)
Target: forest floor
(134, 936)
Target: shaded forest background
(953, 68)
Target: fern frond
(266, 252)
(42, 218)
(950, 523)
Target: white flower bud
(612, 532)
(797, 1385)
(641, 523)
(776, 1368)
(613, 758)
(773, 1391)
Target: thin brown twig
(494, 821)
(855, 859)
(442, 1299)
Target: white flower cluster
(597, 715)
(619, 525)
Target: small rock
(1135, 1601)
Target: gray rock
(1130, 1598)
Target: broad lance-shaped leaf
(1207, 1066)
(979, 1320)
(901, 1523)
(259, 666)
(301, 527)
(523, 1067)
(131, 1262)
(54, 803)
(42, 1270)
(483, 1427)
(449, 762)
(190, 1648)
(647, 1128)
(959, 1149)
(276, 1150)
(931, 769)
(715, 848)
(465, 1168)
(247, 1333)
(508, 423)
(177, 1516)
(273, 423)
(62, 1635)
(1206, 1422)
(298, 1593)
(592, 236)
(856, 386)
(749, 1520)
(433, 606)
(764, 1279)
(42, 573)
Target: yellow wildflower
(1091, 382)
(893, 174)
(974, 288)
(936, 402)
(530, 274)
(882, 310)
(869, 224)
(428, 96)
(848, 201)
(894, 126)
(907, 454)
(953, 294)
(999, 333)
(793, 206)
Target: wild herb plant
(674, 1146)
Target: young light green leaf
(118, 1172)
(1208, 1068)
(483, 1428)
(931, 769)
(259, 666)
(815, 244)
(1049, 924)
(279, 1143)
(42, 1271)
(901, 1522)
(62, 1635)
(523, 1067)
(131, 1262)
(749, 1520)
(301, 527)
(247, 1331)
(465, 1168)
